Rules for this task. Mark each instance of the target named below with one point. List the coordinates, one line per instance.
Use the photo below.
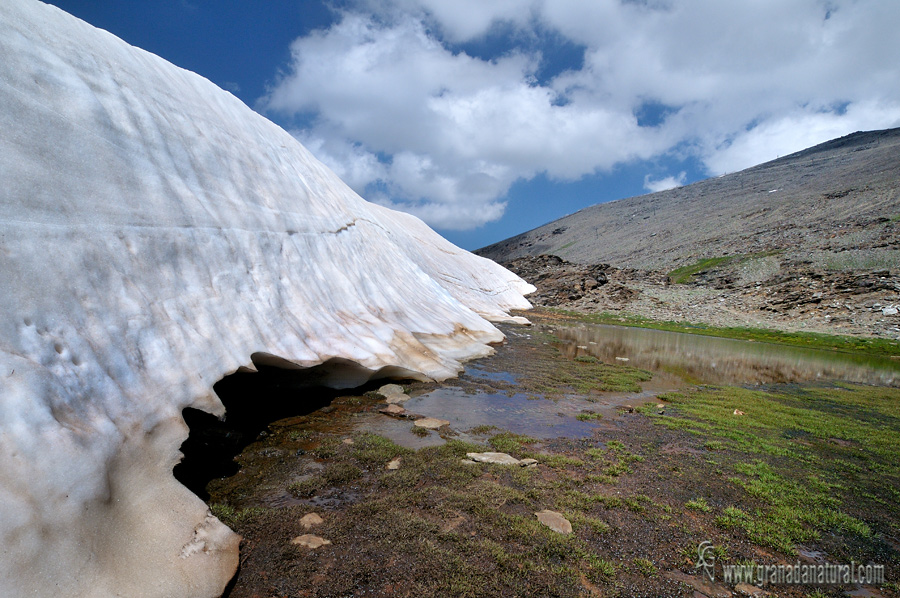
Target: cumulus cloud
(390, 100)
(664, 184)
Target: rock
(399, 398)
(738, 412)
(889, 311)
(347, 441)
(627, 408)
(393, 464)
(554, 521)
(498, 458)
(158, 235)
(390, 390)
(747, 590)
(395, 410)
(528, 462)
(622, 359)
(310, 541)
(431, 423)
(311, 520)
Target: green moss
(507, 442)
(587, 417)
(788, 431)
(233, 517)
(374, 450)
(645, 567)
(699, 504)
(684, 274)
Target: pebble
(554, 521)
(393, 410)
(431, 423)
(311, 520)
(310, 541)
(393, 464)
(498, 458)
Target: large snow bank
(155, 233)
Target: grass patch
(233, 517)
(698, 504)
(588, 416)
(806, 456)
(684, 274)
(507, 442)
(645, 567)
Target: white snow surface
(155, 235)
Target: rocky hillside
(810, 241)
(835, 204)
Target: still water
(675, 359)
(709, 360)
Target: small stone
(738, 412)
(311, 520)
(528, 462)
(395, 410)
(660, 406)
(748, 590)
(310, 541)
(397, 398)
(431, 423)
(393, 464)
(390, 390)
(498, 458)
(555, 521)
(622, 359)
(347, 441)
(889, 311)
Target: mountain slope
(822, 201)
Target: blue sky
(486, 118)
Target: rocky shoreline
(766, 292)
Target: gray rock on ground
(554, 521)
(311, 520)
(431, 423)
(310, 541)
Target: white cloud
(399, 110)
(796, 131)
(664, 184)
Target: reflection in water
(540, 418)
(711, 360)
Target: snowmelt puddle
(698, 359)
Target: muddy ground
(768, 475)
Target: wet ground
(634, 446)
